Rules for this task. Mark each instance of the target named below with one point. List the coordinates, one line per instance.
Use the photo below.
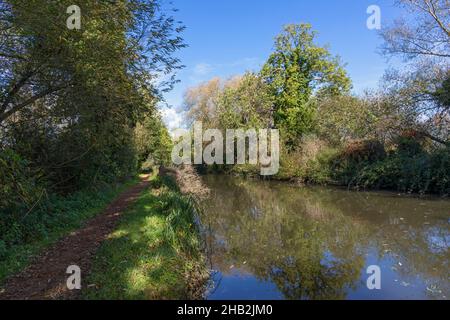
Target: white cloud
(172, 118)
(203, 69)
(247, 63)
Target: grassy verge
(46, 225)
(155, 253)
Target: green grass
(155, 253)
(57, 218)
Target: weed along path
(46, 277)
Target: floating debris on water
(405, 284)
(434, 289)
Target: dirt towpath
(46, 277)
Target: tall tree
(70, 99)
(425, 33)
(40, 56)
(421, 92)
(296, 70)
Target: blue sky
(228, 37)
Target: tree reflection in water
(313, 243)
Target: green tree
(153, 141)
(70, 99)
(295, 71)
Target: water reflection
(270, 240)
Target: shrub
(148, 165)
(300, 162)
(440, 173)
(363, 150)
(404, 171)
(409, 143)
(2, 249)
(320, 169)
(19, 189)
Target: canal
(273, 240)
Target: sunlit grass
(151, 254)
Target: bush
(404, 170)
(363, 150)
(300, 162)
(409, 143)
(440, 171)
(320, 169)
(19, 189)
(2, 249)
(20, 195)
(148, 165)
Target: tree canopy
(297, 69)
(70, 100)
(421, 91)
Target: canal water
(272, 240)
